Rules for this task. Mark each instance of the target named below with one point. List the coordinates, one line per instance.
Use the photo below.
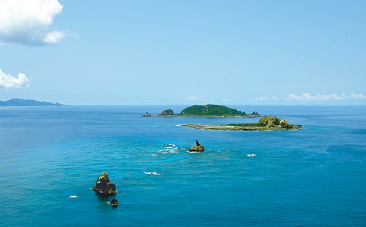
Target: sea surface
(51, 156)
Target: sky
(154, 52)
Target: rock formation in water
(266, 123)
(146, 114)
(167, 112)
(113, 203)
(271, 121)
(104, 187)
(211, 111)
(197, 148)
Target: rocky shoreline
(266, 123)
(232, 127)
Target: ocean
(51, 156)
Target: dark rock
(197, 148)
(167, 112)
(146, 114)
(113, 203)
(104, 187)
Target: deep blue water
(312, 177)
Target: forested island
(209, 110)
(266, 123)
(27, 102)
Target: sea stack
(104, 187)
(146, 114)
(113, 203)
(197, 148)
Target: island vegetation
(266, 123)
(209, 110)
(214, 111)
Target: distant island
(209, 110)
(27, 102)
(266, 123)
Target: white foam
(151, 173)
(194, 152)
(173, 151)
(73, 196)
(183, 148)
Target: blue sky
(183, 52)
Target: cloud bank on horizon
(9, 81)
(318, 97)
(28, 22)
(327, 97)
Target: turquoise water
(311, 177)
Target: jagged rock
(167, 112)
(284, 123)
(104, 187)
(197, 148)
(269, 121)
(113, 203)
(272, 122)
(146, 115)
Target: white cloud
(264, 99)
(309, 97)
(325, 97)
(53, 37)
(28, 21)
(357, 96)
(194, 99)
(9, 81)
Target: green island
(266, 123)
(209, 110)
(27, 102)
